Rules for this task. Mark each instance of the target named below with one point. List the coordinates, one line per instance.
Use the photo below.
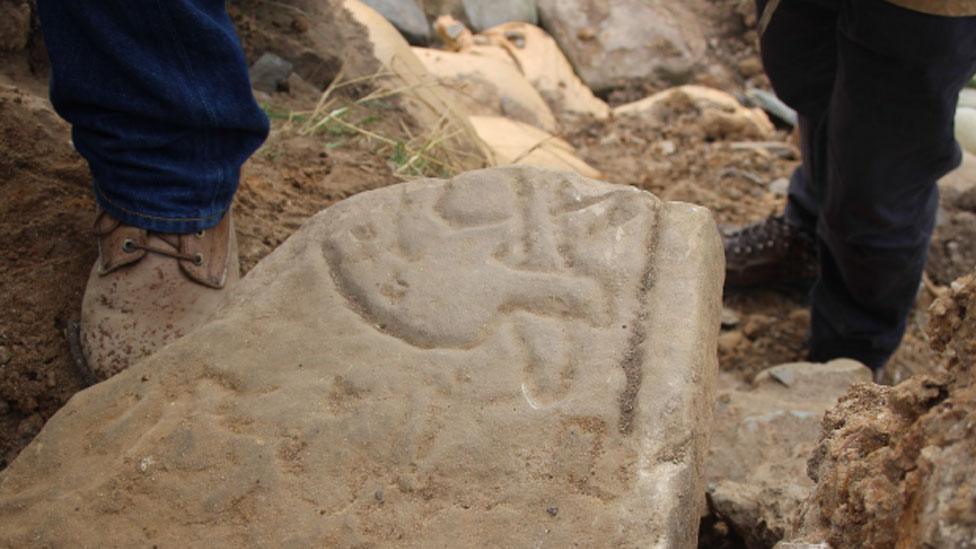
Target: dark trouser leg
(872, 155)
(889, 140)
(160, 104)
(800, 56)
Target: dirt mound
(894, 467)
(45, 225)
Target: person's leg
(889, 138)
(799, 55)
(160, 103)
(158, 96)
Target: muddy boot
(770, 252)
(148, 289)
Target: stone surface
(406, 16)
(488, 86)
(484, 14)
(270, 73)
(894, 466)
(966, 128)
(513, 142)
(756, 470)
(512, 358)
(722, 114)
(544, 64)
(621, 42)
(416, 89)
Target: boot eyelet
(199, 234)
(198, 259)
(128, 246)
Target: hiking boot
(770, 252)
(148, 289)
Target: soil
(46, 211)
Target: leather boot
(148, 289)
(770, 252)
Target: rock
(488, 86)
(5, 355)
(624, 42)
(780, 187)
(730, 318)
(270, 73)
(967, 98)
(544, 64)
(894, 466)
(485, 14)
(730, 341)
(513, 142)
(722, 115)
(417, 90)
(763, 436)
(437, 8)
(432, 364)
(453, 34)
(406, 16)
(15, 25)
(966, 128)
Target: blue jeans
(160, 104)
(876, 87)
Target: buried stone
(512, 357)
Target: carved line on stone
(634, 359)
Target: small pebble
(780, 187)
(730, 318)
(730, 341)
(5, 356)
(553, 511)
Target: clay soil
(46, 211)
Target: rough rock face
(485, 14)
(488, 85)
(538, 57)
(513, 142)
(511, 358)
(406, 16)
(763, 435)
(615, 43)
(722, 116)
(895, 465)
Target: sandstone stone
(722, 114)
(270, 73)
(763, 437)
(406, 16)
(623, 42)
(485, 14)
(966, 128)
(417, 89)
(513, 142)
(488, 86)
(544, 64)
(511, 358)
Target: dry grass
(345, 112)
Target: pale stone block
(513, 358)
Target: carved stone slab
(511, 358)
